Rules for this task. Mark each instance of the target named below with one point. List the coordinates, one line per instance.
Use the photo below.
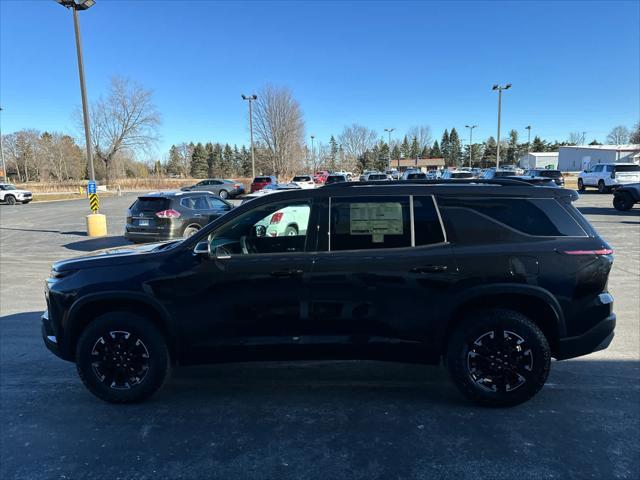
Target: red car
(260, 182)
(321, 177)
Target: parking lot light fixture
(389, 130)
(499, 88)
(250, 99)
(313, 153)
(470, 127)
(4, 166)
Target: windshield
(9, 187)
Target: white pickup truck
(11, 195)
(607, 176)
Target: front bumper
(597, 338)
(49, 337)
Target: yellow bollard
(96, 225)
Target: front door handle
(286, 273)
(429, 269)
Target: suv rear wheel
(581, 185)
(498, 358)
(122, 357)
(622, 201)
(602, 188)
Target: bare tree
(126, 120)
(618, 135)
(355, 140)
(575, 138)
(423, 134)
(279, 127)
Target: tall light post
(470, 127)
(76, 5)
(313, 153)
(499, 88)
(250, 99)
(389, 130)
(4, 166)
(528, 128)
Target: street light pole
(499, 89)
(389, 130)
(251, 98)
(313, 154)
(528, 127)
(470, 127)
(4, 166)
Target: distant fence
(124, 184)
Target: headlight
(56, 274)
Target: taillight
(602, 251)
(236, 185)
(171, 213)
(276, 217)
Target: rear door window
(367, 223)
(426, 222)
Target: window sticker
(376, 219)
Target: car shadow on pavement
(98, 243)
(73, 232)
(608, 211)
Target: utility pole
(583, 135)
(499, 88)
(389, 130)
(251, 98)
(528, 128)
(470, 127)
(313, 154)
(4, 166)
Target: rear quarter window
(530, 216)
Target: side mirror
(201, 249)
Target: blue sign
(91, 187)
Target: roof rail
(506, 182)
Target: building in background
(577, 158)
(539, 160)
(423, 164)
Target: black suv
(168, 215)
(493, 277)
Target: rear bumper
(597, 338)
(151, 236)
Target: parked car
(607, 176)
(334, 178)
(348, 175)
(272, 188)
(163, 216)
(260, 182)
(555, 175)
(626, 196)
(490, 173)
(321, 177)
(221, 187)
(10, 194)
(365, 173)
(393, 174)
(493, 279)
(414, 175)
(453, 174)
(304, 181)
(286, 222)
(376, 177)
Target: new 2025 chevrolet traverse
(495, 277)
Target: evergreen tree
(174, 165)
(199, 165)
(395, 153)
(512, 148)
(425, 152)
(444, 147)
(211, 161)
(435, 150)
(226, 166)
(634, 137)
(538, 145)
(405, 149)
(333, 153)
(489, 154)
(595, 142)
(245, 165)
(415, 148)
(383, 156)
(237, 161)
(455, 148)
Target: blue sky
(574, 65)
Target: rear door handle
(429, 269)
(286, 273)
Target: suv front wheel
(498, 358)
(122, 357)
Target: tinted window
(362, 223)
(426, 222)
(540, 217)
(262, 180)
(416, 176)
(462, 175)
(216, 204)
(304, 178)
(549, 173)
(627, 168)
(377, 177)
(608, 168)
(335, 179)
(150, 204)
(598, 168)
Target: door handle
(286, 273)
(429, 269)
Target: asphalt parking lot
(304, 420)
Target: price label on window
(376, 219)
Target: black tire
(291, 231)
(223, 194)
(474, 366)
(602, 188)
(10, 199)
(581, 187)
(152, 370)
(190, 230)
(622, 201)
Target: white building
(539, 160)
(576, 158)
